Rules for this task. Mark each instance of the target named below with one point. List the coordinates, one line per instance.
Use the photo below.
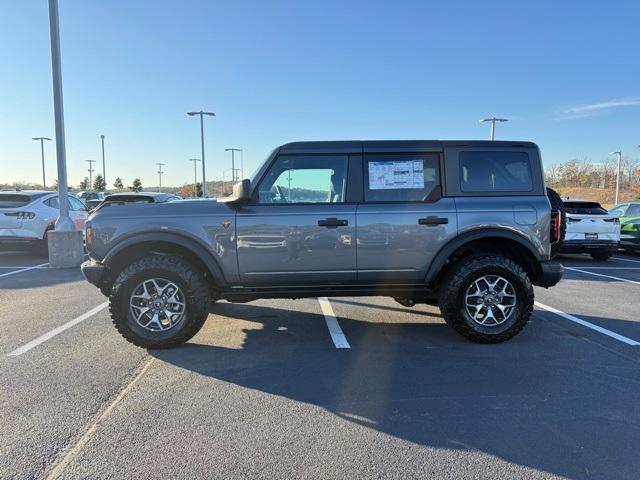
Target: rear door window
(495, 171)
(402, 177)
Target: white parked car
(590, 229)
(27, 215)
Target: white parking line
(590, 325)
(23, 269)
(47, 336)
(337, 335)
(626, 259)
(601, 275)
(19, 266)
(606, 268)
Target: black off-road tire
(601, 255)
(457, 281)
(176, 270)
(558, 204)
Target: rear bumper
(578, 246)
(93, 272)
(550, 273)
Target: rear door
(299, 229)
(404, 219)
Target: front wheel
(601, 255)
(486, 299)
(159, 302)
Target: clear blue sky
(566, 73)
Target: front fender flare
(194, 246)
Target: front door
(404, 219)
(298, 230)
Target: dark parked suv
(466, 225)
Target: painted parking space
(265, 386)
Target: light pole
(42, 139)
(64, 223)
(104, 171)
(619, 154)
(91, 162)
(493, 121)
(160, 172)
(233, 162)
(202, 114)
(195, 176)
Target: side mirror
(241, 192)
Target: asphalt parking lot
(329, 388)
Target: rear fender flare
(447, 250)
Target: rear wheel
(159, 302)
(601, 255)
(486, 299)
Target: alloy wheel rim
(490, 300)
(157, 304)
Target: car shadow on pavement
(543, 400)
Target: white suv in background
(27, 215)
(590, 229)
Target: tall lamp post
(64, 242)
(202, 114)
(195, 176)
(619, 154)
(493, 121)
(91, 162)
(104, 170)
(160, 172)
(233, 162)
(44, 178)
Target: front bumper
(93, 271)
(580, 246)
(550, 273)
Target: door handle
(333, 223)
(433, 221)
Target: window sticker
(395, 175)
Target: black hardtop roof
(358, 146)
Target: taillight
(88, 236)
(555, 226)
(26, 215)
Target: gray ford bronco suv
(465, 225)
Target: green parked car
(629, 224)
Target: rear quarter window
(495, 171)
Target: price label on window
(396, 175)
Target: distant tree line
(587, 174)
